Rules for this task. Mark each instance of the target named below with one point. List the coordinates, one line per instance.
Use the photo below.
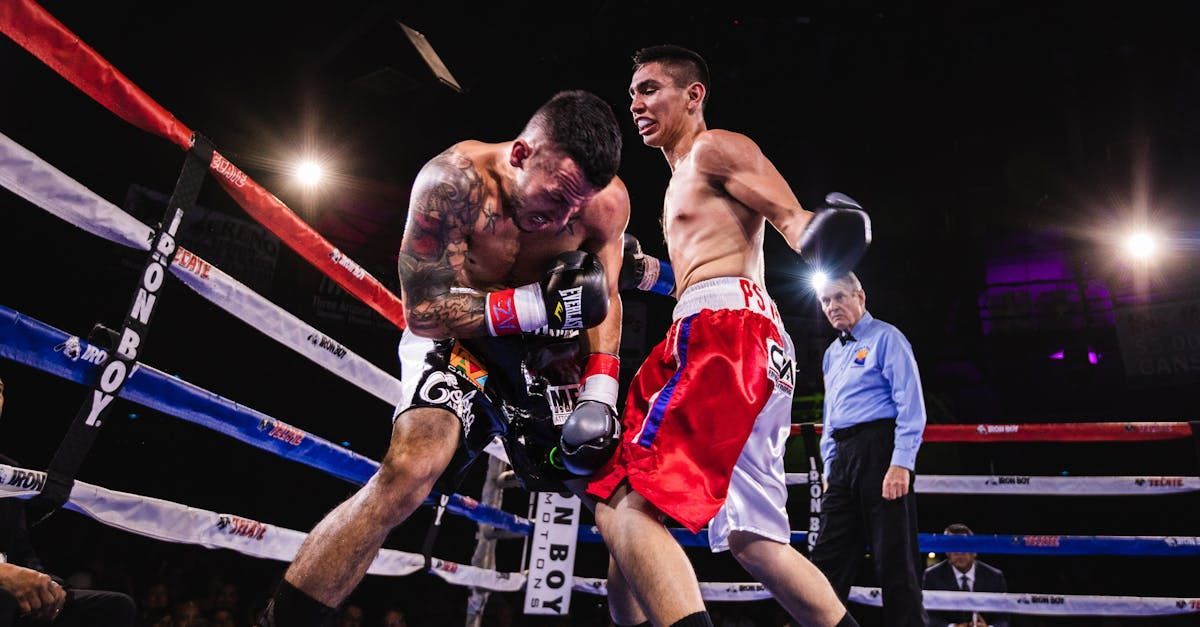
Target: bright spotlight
(309, 173)
(1141, 245)
(818, 280)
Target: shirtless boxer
(708, 412)
(503, 241)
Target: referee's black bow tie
(845, 336)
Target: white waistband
(728, 292)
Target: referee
(874, 416)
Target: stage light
(1141, 245)
(309, 173)
(818, 280)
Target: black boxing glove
(837, 237)
(572, 295)
(591, 433)
(640, 271)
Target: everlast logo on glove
(572, 300)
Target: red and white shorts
(708, 414)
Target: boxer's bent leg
(652, 561)
(335, 556)
(798, 586)
(623, 606)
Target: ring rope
(43, 36)
(1012, 602)
(1027, 485)
(172, 522)
(1052, 432)
(30, 177)
(27, 341)
(1135, 546)
(33, 343)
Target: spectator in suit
(962, 571)
(30, 596)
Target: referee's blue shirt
(870, 377)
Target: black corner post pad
(808, 434)
(110, 377)
(432, 533)
(1195, 425)
(202, 148)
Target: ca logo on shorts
(780, 367)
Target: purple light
(1093, 357)
(1058, 355)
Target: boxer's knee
(748, 548)
(423, 443)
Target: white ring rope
(172, 522)
(1042, 486)
(1011, 602)
(31, 178)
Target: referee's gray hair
(848, 281)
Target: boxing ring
(72, 357)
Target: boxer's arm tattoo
(447, 199)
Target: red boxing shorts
(708, 413)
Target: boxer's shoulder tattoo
(448, 196)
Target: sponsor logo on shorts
(562, 401)
(780, 367)
(323, 341)
(860, 356)
(572, 300)
(440, 388)
(241, 527)
(466, 365)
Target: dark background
(1003, 150)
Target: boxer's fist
(589, 437)
(640, 271)
(837, 237)
(575, 291)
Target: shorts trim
(653, 419)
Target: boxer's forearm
(432, 307)
(606, 337)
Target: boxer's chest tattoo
(490, 215)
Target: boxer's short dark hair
(583, 126)
(685, 66)
(958, 529)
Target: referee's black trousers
(854, 514)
